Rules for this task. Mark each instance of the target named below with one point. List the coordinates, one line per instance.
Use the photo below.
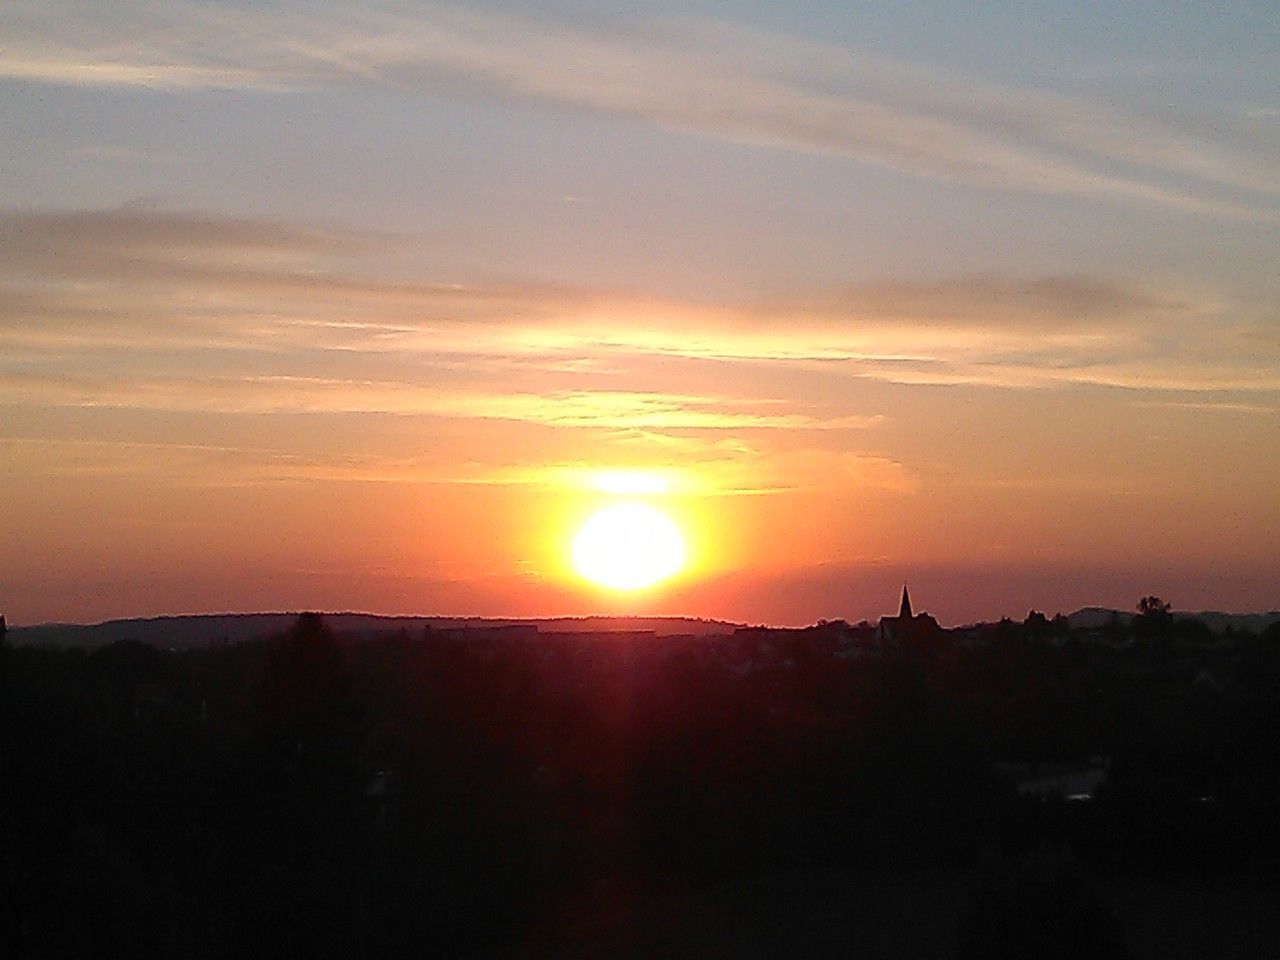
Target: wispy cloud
(1211, 406)
(702, 469)
(260, 314)
(599, 409)
(125, 155)
(710, 77)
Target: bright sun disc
(628, 546)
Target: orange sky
(346, 308)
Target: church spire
(904, 612)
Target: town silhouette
(1092, 786)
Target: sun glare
(628, 546)
(631, 482)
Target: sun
(628, 546)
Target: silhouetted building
(907, 627)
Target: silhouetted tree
(291, 870)
(306, 696)
(1152, 606)
(1036, 626)
(1154, 623)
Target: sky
(358, 305)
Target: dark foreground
(826, 915)
(756, 795)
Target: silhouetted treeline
(429, 795)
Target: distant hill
(1089, 617)
(184, 632)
